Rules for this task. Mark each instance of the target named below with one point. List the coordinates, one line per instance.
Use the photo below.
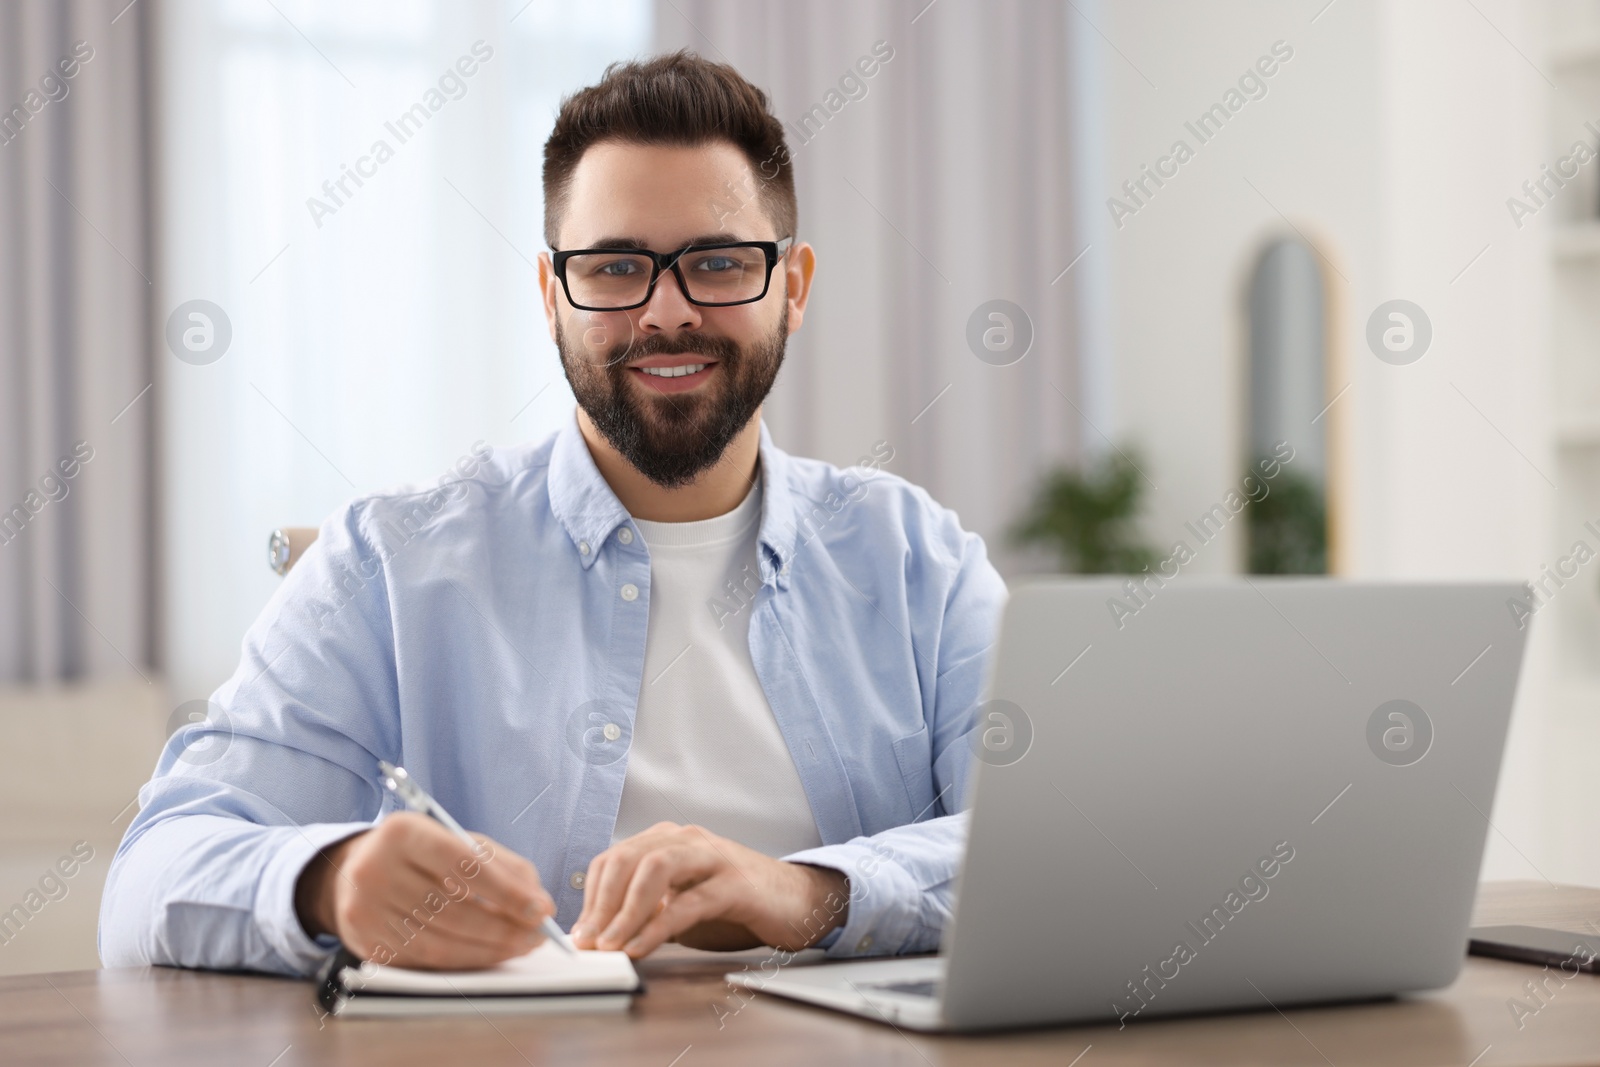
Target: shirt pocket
(913, 754)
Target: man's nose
(668, 309)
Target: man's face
(671, 429)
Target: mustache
(595, 334)
(722, 349)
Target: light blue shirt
(489, 636)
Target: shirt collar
(587, 508)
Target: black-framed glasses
(713, 276)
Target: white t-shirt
(706, 748)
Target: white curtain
(75, 409)
(941, 182)
(380, 329)
(377, 343)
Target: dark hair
(676, 99)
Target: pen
(413, 796)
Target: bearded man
(684, 686)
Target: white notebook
(546, 979)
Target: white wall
(1391, 139)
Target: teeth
(674, 372)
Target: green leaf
(1090, 517)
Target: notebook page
(547, 969)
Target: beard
(672, 438)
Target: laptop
(1212, 795)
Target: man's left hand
(686, 884)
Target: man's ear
(798, 267)
(549, 289)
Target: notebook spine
(332, 993)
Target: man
(716, 694)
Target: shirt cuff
(274, 908)
(885, 901)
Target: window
(357, 187)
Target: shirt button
(576, 881)
(864, 944)
(612, 731)
(583, 548)
(625, 535)
(630, 592)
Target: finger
(467, 922)
(502, 879)
(665, 869)
(399, 884)
(402, 900)
(455, 937)
(606, 880)
(450, 959)
(514, 887)
(473, 887)
(592, 938)
(606, 884)
(431, 950)
(705, 901)
(437, 948)
(511, 881)
(603, 888)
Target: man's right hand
(409, 877)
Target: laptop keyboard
(926, 988)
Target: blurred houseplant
(1289, 527)
(1089, 516)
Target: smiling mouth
(673, 372)
(677, 372)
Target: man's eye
(619, 268)
(717, 263)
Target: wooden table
(690, 1017)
